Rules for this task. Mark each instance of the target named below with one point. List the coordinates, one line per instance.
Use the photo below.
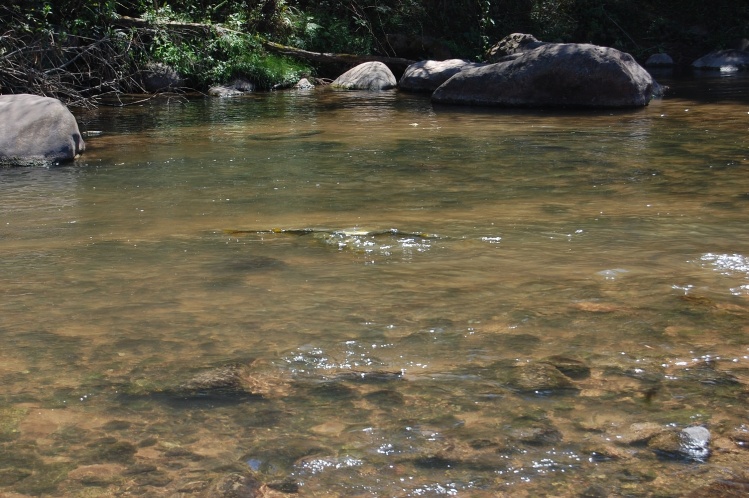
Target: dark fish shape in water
(383, 242)
(348, 233)
(248, 264)
(265, 137)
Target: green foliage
(228, 45)
(221, 54)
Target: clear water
(387, 277)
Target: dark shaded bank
(79, 50)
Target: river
(361, 294)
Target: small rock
(724, 488)
(572, 368)
(235, 486)
(695, 443)
(540, 378)
(740, 436)
(304, 84)
(639, 433)
(237, 87)
(594, 491)
(367, 76)
(691, 444)
(546, 435)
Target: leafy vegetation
(78, 49)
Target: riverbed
(332, 293)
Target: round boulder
(367, 76)
(37, 131)
(659, 60)
(553, 75)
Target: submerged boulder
(367, 76)
(553, 75)
(37, 131)
(427, 76)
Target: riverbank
(82, 55)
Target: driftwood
(397, 63)
(136, 22)
(77, 74)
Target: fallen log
(396, 64)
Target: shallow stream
(360, 294)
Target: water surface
(358, 294)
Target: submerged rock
(740, 436)
(691, 444)
(571, 367)
(553, 75)
(638, 434)
(724, 488)
(229, 384)
(367, 76)
(540, 378)
(235, 486)
(543, 435)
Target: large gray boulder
(427, 76)
(553, 75)
(37, 131)
(723, 60)
(367, 76)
